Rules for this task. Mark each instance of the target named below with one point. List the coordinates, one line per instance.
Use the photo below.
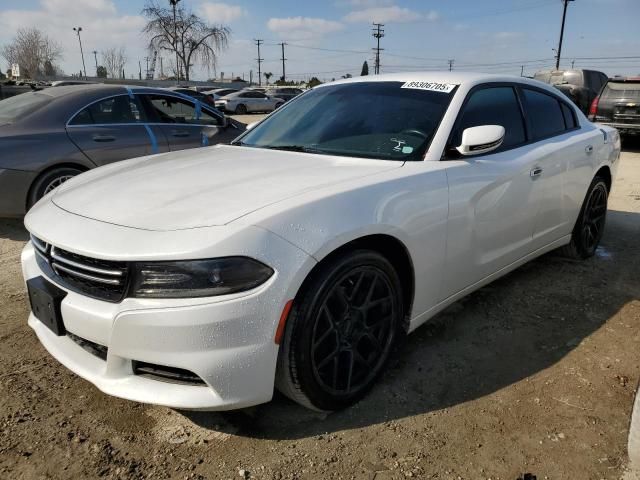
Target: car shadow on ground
(504, 333)
(13, 229)
(631, 144)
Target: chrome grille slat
(110, 281)
(60, 259)
(106, 280)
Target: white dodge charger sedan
(298, 256)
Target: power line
(378, 33)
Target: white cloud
(507, 35)
(221, 13)
(102, 27)
(302, 27)
(364, 3)
(392, 13)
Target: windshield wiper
(290, 148)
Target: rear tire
(341, 330)
(241, 109)
(589, 227)
(48, 181)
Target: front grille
(102, 279)
(166, 374)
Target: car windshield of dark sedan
(14, 108)
(381, 120)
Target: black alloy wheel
(341, 331)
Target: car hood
(203, 187)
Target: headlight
(198, 278)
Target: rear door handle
(103, 138)
(535, 172)
(589, 149)
(179, 133)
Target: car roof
(466, 79)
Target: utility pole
(284, 74)
(95, 55)
(78, 30)
(173, 4)
(522, 70)
(139, 70)
(161, 69)
(378, 33)
(451, 64)
(146, 72)
(564, 16)
(260, 60)
(572, 63)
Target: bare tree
(34, 51)
(114, 60)
(191, 38)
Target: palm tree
(268, 75)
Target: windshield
(13, 108)
(380, 120)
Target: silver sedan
(248, 101)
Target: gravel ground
(535, 373)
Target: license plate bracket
(46, 300)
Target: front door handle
(535, 172)
(179, 133)
(589, 149)
(103, 138)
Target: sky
(330, 38)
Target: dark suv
(618, 105)
(581, 86)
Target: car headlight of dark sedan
(198, 278)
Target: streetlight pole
(174, 3)
(84, 69)
(95, 55)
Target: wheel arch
(386, 244)
(50, 168)
(605, 173)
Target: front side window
(544, 114)
(120, 109)
(170, 109)
(493, 106)
(379, 120)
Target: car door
(491, 196)
(185, 123)
(113, 129)
(558, 148)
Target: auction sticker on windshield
(430, 86)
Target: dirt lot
(535, 373)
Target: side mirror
(481, 139)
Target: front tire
(49, 181)
(589, 227)
(341, 331)
(241, 109)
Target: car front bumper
(227, 341)
(14, 188)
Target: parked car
(299, 255)
(581, 86)
(200, 96)
(49, 136)
(284, 93)
(246, 101)
(217, 93)
(618, 105)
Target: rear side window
(569, 117)
(120, 109)
(493, 106)
(544, 114)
